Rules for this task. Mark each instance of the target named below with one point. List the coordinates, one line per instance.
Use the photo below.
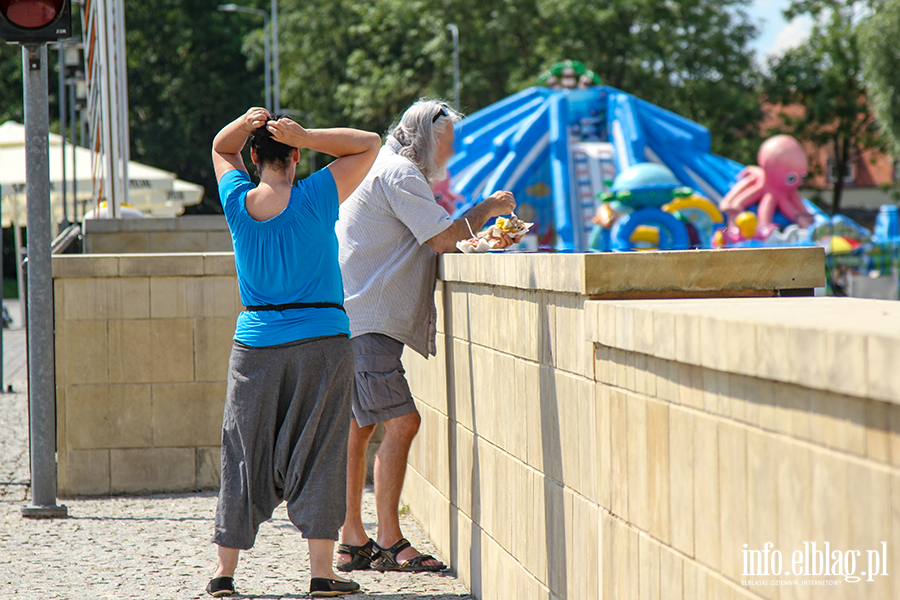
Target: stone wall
(205, 233)
(628, 449)
(142, 346)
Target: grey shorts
(381, 390)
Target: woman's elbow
(374, 141)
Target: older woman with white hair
(390, 231)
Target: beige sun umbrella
(153, 192)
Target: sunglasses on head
(441, 113)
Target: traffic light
(35, 20)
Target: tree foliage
(11, 106)
(825, 77)
(691, 57)
(881, 57)
(363, 62)
(187, 77)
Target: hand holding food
(496, 238)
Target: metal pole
(41, 376)
(1, 299)
(267, 31)
(455, 31)
(276, 77)
(82, 135)
(72, 127)
(17, 237)
(63, 113)
(124, 138)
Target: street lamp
(266, 33)
(275, 64)
(455, 31)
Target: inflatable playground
(597, 169)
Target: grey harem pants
(284, 437)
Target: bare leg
(390, 470)
(353, 531)
(320, 553)
(227, 562)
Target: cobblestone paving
(158, 546)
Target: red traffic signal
(35, 20)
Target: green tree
(360, 63)
(11, 108)
(824, 76)
(881, 57)
(691, 57)
(363, 62)
(187, 77)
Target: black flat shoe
(320, 587)
(220, 586)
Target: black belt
(281, 307)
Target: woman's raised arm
(355, 150)
(230, 141)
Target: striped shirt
(388, 268)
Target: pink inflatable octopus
(446, 197)
(773, 184)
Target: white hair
(418, 132)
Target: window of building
(849, 173)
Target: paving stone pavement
(158, 546)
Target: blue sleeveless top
(292, 257)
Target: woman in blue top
(287, 410)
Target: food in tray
(475, 245)
(512, 226)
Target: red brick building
(870, 171)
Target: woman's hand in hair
(254, 119)
(229, 142)
(288, 132)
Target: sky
(776, 34)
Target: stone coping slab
(143, 265)
(191, 223)
(687, 273)
(845, 345)
(750, 272)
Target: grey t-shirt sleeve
(412, 201)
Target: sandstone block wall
(142, 346)
(628, 449)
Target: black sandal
(220, 586)
(387, 560)
(361, 556)
(320, 587)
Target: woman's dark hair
(270, 153)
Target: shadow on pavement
(174, 519)
(363, 595)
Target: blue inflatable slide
(556, 150)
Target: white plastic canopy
(154, 192)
